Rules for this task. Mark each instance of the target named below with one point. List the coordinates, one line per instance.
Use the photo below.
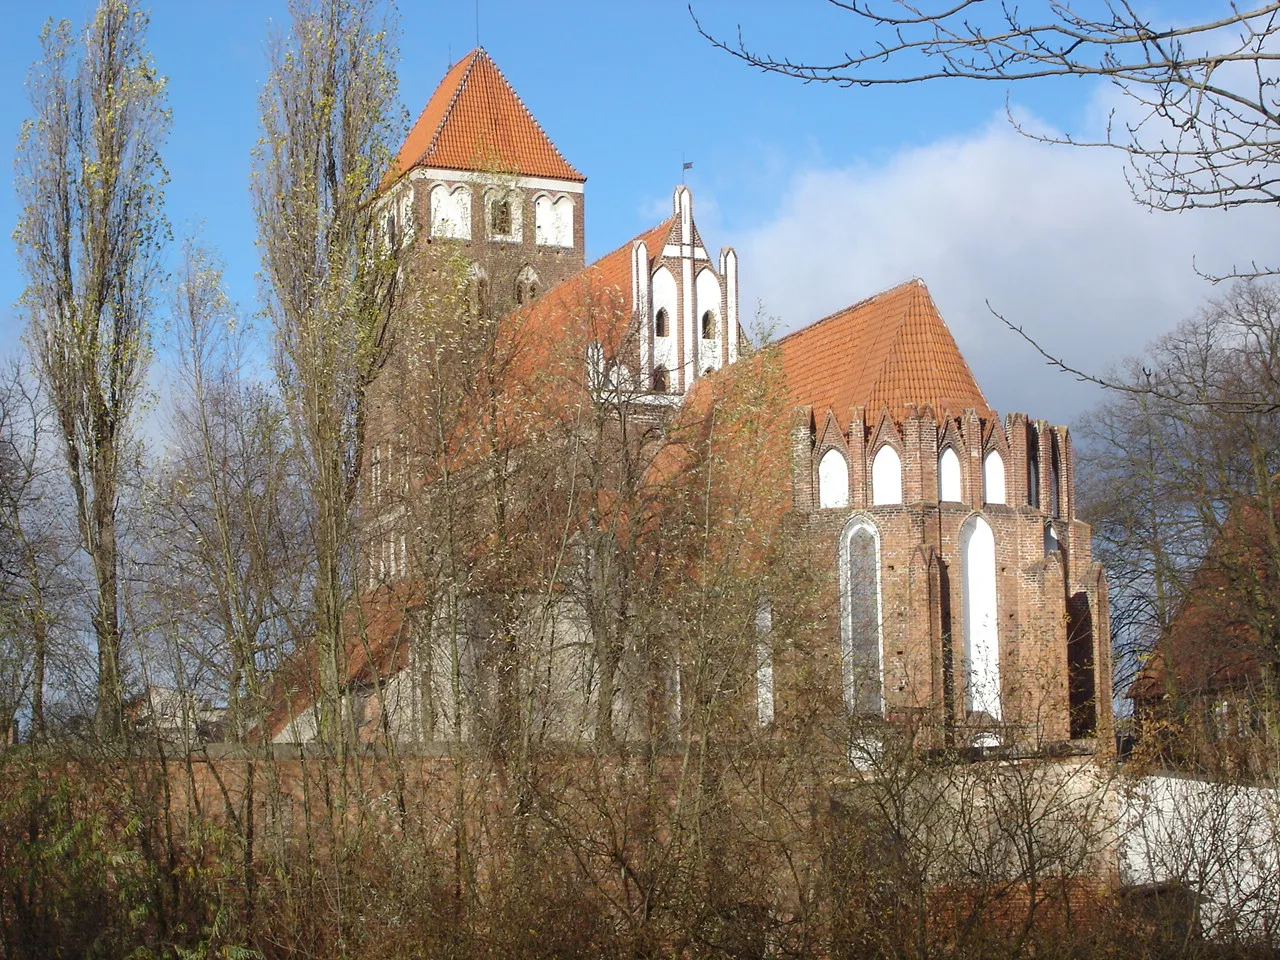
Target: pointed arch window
(981, 628)
(526, 285)
(709, 325)
(861, 629)
(764, 662)
(1055, 480)
(993, 477)
(500, 217)
(661, 380)
(950, 487)
(1033, 466)
(886, 477)
(662, 323)
(833, 480)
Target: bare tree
(90, 180)
(1203, 130)
(329, 119)
(226, 565)
(1169, 469)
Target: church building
(955, 586)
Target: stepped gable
(476, 121)
(891, 350)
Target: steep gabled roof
(559, 307)
(476, 121)
(890, 350)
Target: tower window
(708, 325)
(526, 286)
(662, 324)
(500, 218)
(661, 382)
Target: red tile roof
(554, 310)
(890, 350)
(476, 121)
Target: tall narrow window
(861, 627)
(1055, 480)
(764, 662)
(981, 630)
(1033, 466)
(993, 477)
(708, 326)
(526, 285)
(950, 488)
(661, 382)
(661, 324)
(886, 477)
(833, 480)
(500, 218)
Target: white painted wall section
(833, 480)
(886, 477)
(641, 296)
(729, 271)
(950, 486)
(665, 297)
(981, 629)
(1220, 839)
(993, 477)
(710, 352)
(451, 212)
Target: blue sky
(829, 194)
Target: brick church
(949, 583)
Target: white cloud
(1049, 235)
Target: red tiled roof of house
(476, 121)
(890, 350)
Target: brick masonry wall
(920, 545)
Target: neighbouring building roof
(476, 121)
(890, 350)
(1220, 638)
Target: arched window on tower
(993, 477)
(526, 285)
(709, 325)
(950, 487)
(833, 480)
(662, 324)
(886, 477)
(860, 629)
(661, 380)
(500, 219)
(981, 628)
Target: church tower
(478, 169)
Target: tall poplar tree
(330, 118)
(90, 180)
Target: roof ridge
(453, 101)
(523, 106)
(941, 338)
(850, 308)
